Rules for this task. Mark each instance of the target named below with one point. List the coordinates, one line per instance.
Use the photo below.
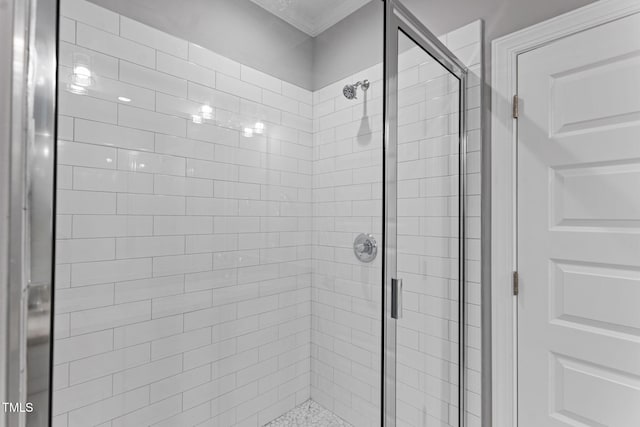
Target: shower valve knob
(365, 247)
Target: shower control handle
(396, 298)
(365, 247)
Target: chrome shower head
(349, 91)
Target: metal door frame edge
(29, 186)
(397, 17)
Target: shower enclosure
(243, 241)
(424, 270)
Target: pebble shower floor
(308, 414)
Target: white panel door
(579, 230)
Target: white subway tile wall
(206, 216)
(183, 279)
(347, 200)
(346, 293)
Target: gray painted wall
(500, 17)
(245, 32)
(353, 44)
(356, 42)
(237, 29)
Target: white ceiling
(311, 16)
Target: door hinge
(516, 283)
(516, 110)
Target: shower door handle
(396, 298)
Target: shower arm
(364, 84)
(350, 90)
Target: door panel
(425, 148)
(579, 229)
(427, 239)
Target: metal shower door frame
(398, 18)
(27, 186)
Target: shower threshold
(308, 414)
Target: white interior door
(579, 230)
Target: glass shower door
(424, 265)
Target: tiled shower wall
(184, 249)
(183, 243)
(346, 294)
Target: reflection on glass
(207, 112)
(82, 75)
